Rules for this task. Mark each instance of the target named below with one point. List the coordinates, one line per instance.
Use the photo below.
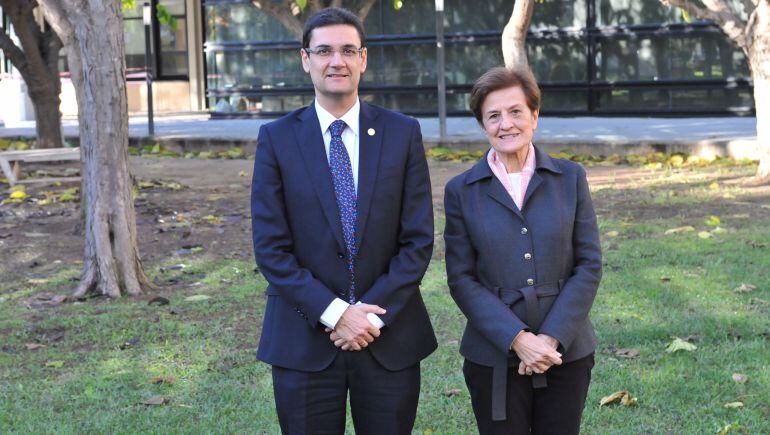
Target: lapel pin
(370, 132)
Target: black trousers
(381, 401)
(555, 409)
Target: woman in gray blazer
(523, 263)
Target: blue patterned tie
(345, 190)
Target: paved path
(725, 135)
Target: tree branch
(363, 11)
(56, 16)
(12, 52)
(749, 6)
(336, 4)
(718, 12)
(280, 12)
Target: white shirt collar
(350, 117)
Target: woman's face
(508, 121)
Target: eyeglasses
(328, 52)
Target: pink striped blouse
(527, 170)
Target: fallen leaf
(665, 279)
(714, 185)
(726, 429)
(712, 221)
(214, 220)
(197, 298)
(679, 230)
(627, 400)
(745, 288)
(679, 344)
(158, 300)
(754, 244)
(163, 379)
(55, 364)
(34, 346)
(242, 174)
(627, 353)
(612, 234)
(18, 195)
(452, 392)
(734, 405)
(705, 235)
(740, 378)
(622, 397)
(156, 400)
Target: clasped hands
(537, 352)
(354, 331)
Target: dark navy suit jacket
(487, 238)
(299, 247)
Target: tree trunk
(515, 35)
(46, 101)
(759, 61)
(93, 32)
(37, 60)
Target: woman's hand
(537, 352)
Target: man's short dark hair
(501, 78)
(331, 17)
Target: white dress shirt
(334, 311)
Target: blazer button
(524, 231)
(527, 256)
(340, 255)
(530, 281)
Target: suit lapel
(311, 145)
(496, 190)
(370, 148)
(534, 183)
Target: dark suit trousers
(555, 409)
(381, 401)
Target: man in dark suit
(342, 223)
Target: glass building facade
(591, 57)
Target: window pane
(557, 60)
(408, 65)
(627, 12)
(707, 55)
(242, 23)
(173, 49)
(175, 7)
(263, 69)
(674, 99)
(556, 100)
(465, 62)
(133, 35)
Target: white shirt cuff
(333, 312)
(374, 319)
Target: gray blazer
(535, 269)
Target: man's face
(335, 76)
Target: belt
(510, 297)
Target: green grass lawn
(100, 355)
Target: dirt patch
(210, 212)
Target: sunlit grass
(655, 287)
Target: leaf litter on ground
(623, 397)
(678, 344)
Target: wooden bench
(42, 155)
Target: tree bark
(92, 30)
(759, 61)
(515, 35)
(37, 61)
